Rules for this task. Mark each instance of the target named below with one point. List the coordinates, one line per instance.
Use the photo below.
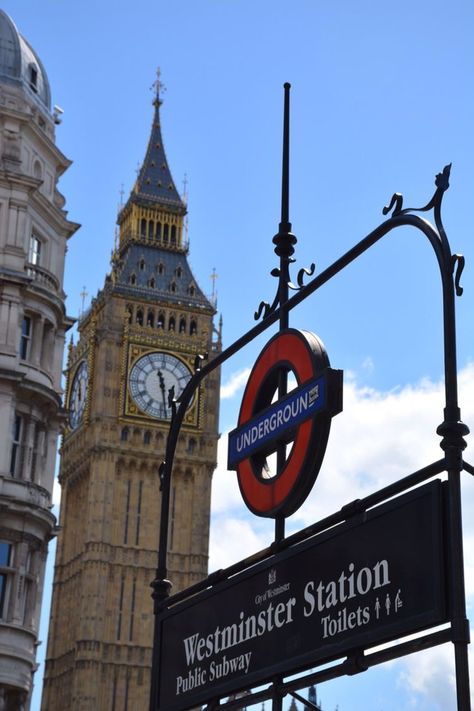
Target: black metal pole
(453, 430)
(284, 242)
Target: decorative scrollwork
(264, 307)
(396, 203)
(442, 184)
(301, 275)
(458, 262)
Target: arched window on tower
(193, 328)
(192, 290)
(143, 227)
(139, 317)
(172, 323)
(179, 272)
(182, 325)
(133, 279)
(150, 229)
(147, 437)
(161, 268)
(152, 283)
(166, 234)
(33, 72)
(141, 264)
(173, 234)
(173, 287)
(161, 320)
(124, 434)
(150, 319)
(158, 231)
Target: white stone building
(34, 230)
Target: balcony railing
(43, 277)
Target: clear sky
(382, 99)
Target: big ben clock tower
(139, 339)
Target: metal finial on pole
(285, 225)
(158, 87)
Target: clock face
(150, 381)
(78, 394)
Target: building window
(120, 610)
(147, 438)
(161, 268)
(15, 458)
(171, 324)
(25, 337)
(5, 554)
(37, 456)
(124, 434)
(33, 77)
(34, 253)
(5, 573)
(173, 234)
(182, 325)
(179, 272)
(193, 328)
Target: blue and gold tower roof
(154, 212)
(155, 184)
(151, 259)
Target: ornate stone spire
(155, 183)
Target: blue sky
(382, 99)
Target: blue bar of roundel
(314, 404)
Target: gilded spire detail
(155, 183)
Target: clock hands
(162, 388)
(171, 393)
(156, 382)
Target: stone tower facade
(138, 340)
(34, 230)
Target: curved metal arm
(451, 428)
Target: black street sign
(378, 577)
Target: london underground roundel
(294, 428)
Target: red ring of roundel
(280, 494)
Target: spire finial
(158, 87)
(185, 188)
(214, 292)
(83, 296)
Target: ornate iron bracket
(452, 430)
